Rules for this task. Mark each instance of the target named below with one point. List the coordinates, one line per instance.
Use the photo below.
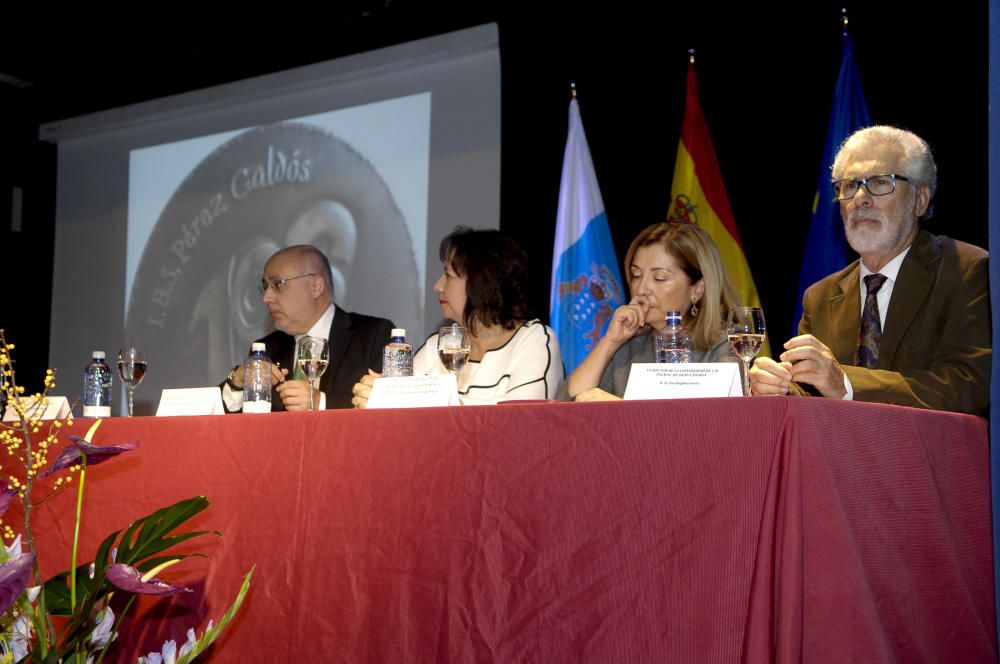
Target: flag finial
(572, 89)
(843, 18)
(691, 55)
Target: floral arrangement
(69, 618)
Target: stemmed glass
(313, 356)
(454, 347)
(131, 369)
(746, 334)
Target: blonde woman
(669, 267)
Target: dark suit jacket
(936, 348)
(356, 343)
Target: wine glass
(454, 347)
(313, 355)
(746, 334)
(131, 369)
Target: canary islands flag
(586, 282)
(698, 196)
(826, 245)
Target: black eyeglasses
(877, 185)
(278, 284)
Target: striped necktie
(871, 324)
(297, 373)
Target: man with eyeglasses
(297, 288)
(908, 323)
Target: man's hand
(363, 389)
(277, 375)
(813, 363)
(295, 395)
(770, 378)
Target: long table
(700, 530)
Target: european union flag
(826, 247)
(586, 283)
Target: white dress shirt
(890, 271)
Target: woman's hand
(626, 321)
(363, 389)
(596, 394)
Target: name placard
(414, 392)
(191, 401)
(50, 408)
(684, 381)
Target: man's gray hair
(915, 159)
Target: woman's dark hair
(497, 273)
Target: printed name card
(191, 401)
(51, 408)
(414, 392)
(684, 381)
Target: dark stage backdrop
(766, 74)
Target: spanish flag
(698, 196)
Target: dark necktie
(871, 324)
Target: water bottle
(257, 381)
(397, 356)
(97, 387)
(673, 342)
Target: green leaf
(211, 634)
(147, 536)
(56, 592)
(159, 523)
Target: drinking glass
(131, 369)
(454, 347)
(313, 356)
(746, 334)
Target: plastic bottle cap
(257, 345)
(98, 355)
(398, 332)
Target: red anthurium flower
(130, 579)
(95, 453)
(14, 576)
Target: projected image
(193, 289)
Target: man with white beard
(908, 323)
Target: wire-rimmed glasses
(278, 284)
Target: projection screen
(167, 210)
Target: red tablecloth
(703, 530)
